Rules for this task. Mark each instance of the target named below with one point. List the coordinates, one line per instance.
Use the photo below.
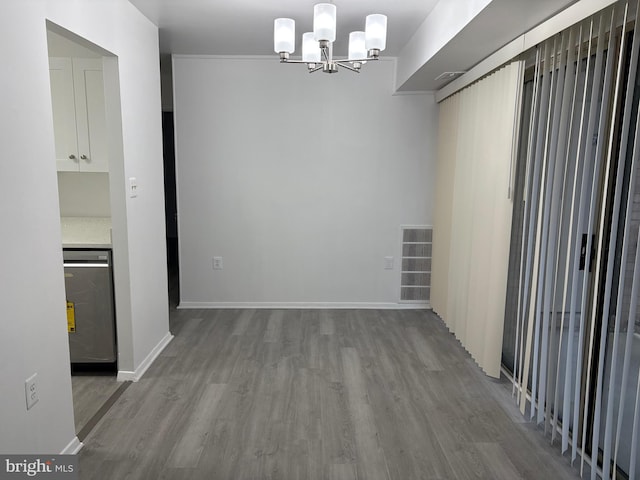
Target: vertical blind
(472, 218)
(577, 343)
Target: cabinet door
(90, 115)
(64, 114)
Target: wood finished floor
(316, 394)
(90, 392)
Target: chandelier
(317, 46)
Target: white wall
(300, 182)
(33, 334)
(84, 194)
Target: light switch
(133, 187)
(388, 263)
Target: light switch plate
(388, 263)
(133, 187)
(217, 263)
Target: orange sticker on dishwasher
(71, 317)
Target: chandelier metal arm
(331, 66)
(341, 63)
(326, 53)
(361, 60)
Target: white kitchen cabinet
(77, 92)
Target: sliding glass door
(616, 383)
(571, 338)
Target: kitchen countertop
(86, 232)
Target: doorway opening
(170, 189)
(84, 84)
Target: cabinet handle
(83, 157)
(72, 157)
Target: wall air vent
(448, 76)
(415, 277)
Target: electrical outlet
(217, 263)
(31, 391)
(388, 263)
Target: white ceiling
(245, 27)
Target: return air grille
(415, 280)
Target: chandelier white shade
(324, 22)
(317, 46)
(376, 32)
(311, 52)
(284, 35)
(357, 46)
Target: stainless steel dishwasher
(90, 306)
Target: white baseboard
(125, 375)
(306, 305)
(74, 447)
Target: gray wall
(300, 182)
